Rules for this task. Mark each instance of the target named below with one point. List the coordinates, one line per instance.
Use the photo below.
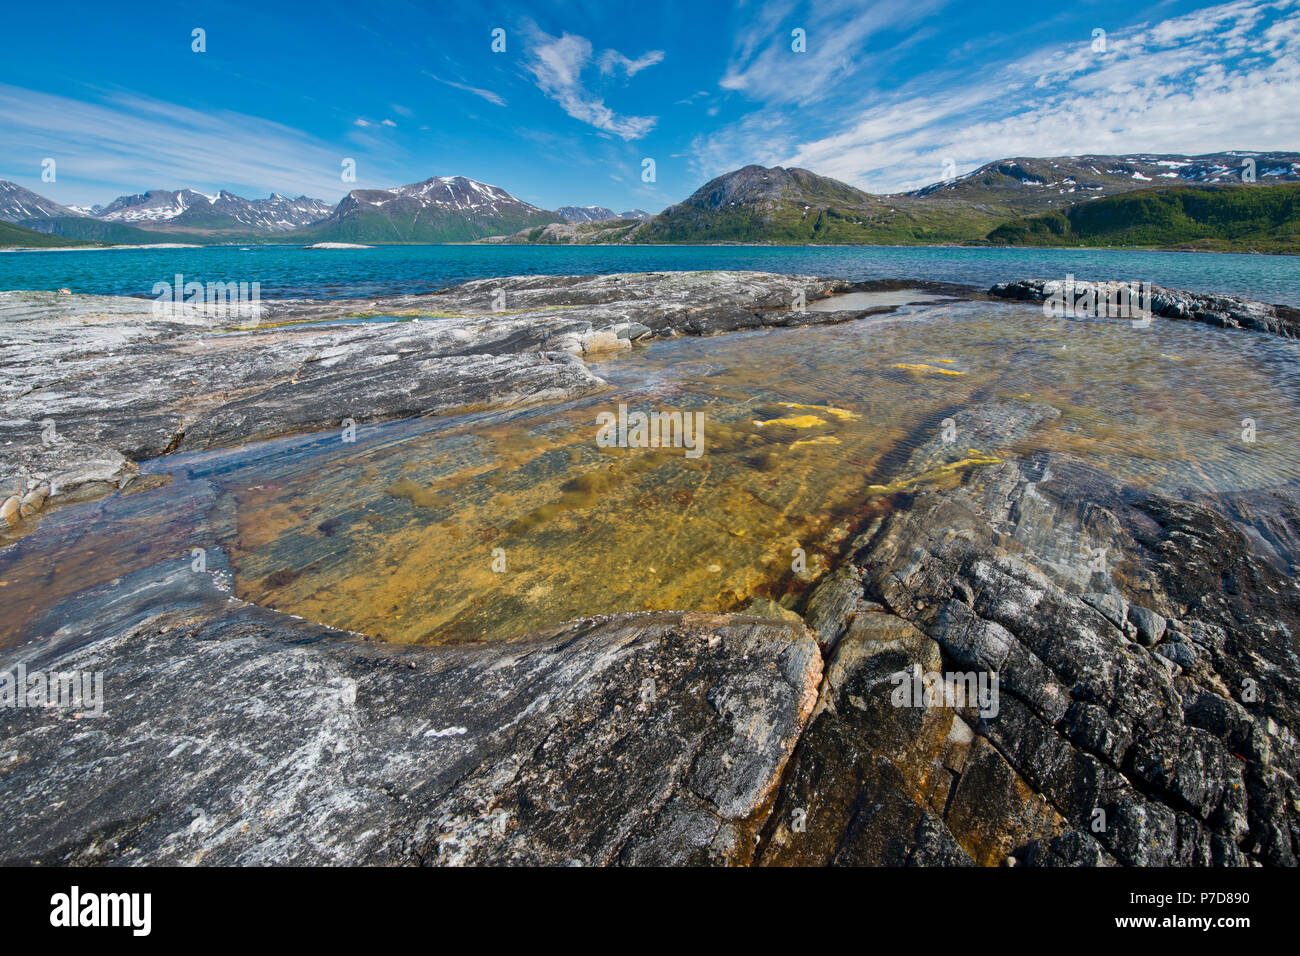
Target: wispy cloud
(612, 62)
(557, 64)
(485, 94)
(161, 145)
(836, 38)
(1220, 78)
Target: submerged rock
(90, 385)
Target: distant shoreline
(650, 245)
(152, 245)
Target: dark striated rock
(233, 734)
(1227, 311)
(1104, 748)
(1149, 625)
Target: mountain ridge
(598, 214)
(188, 209)
(439, 209)
(996, 203)
(791, 205)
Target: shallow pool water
(486, 526)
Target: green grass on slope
(429, 225)
(83, 230)
(902, 223)
(1246, 217)
(11, 235)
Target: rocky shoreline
(91, 385)
(1147, 713)
(1225, 311)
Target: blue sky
(884, 95)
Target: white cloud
(162, 145)
(557, 64)
(485, 94)
(611, 62)
(1179, 86)
(837, 32)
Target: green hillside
(11, 235)
(1244, 218)
(83, 229)
(1049, 201)
(777, 205)
(420, 225)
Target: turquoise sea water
(290, 271)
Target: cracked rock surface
(234, 734)
(1147, 706)
(1143, 645)
(1226, 311)
(91, 385)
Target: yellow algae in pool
(933, 475)
(843, 414)
(575, 525)
(922, 367)
(583, 529)
(793, 421)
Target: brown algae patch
(417, 494)
(491, 525)
(494, 526)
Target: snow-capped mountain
(276, 213)
(185, 208)
(1074, 178)
(598, 214)
(18, 204)
(441, 209)
(156, 205)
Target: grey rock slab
(1226, 311)
(109, 376)
(1183, 742)
(233, 734)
